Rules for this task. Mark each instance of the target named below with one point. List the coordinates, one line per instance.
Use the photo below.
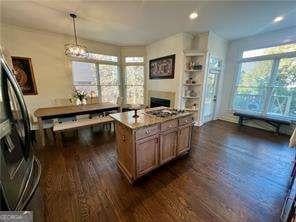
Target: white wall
(172, 45)
(234, 53)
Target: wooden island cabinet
(148, 141)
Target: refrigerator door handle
(18, 93)
(9, 143)
(25, 198)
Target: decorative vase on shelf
(78, 102)
(194, 106)
(189, 81)
(83, 101)
(193, 94)
(197, 67)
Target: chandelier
(75, 50)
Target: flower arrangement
(80, 96)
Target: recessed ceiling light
(193, 15)
(278, 19)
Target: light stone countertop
(144, 119)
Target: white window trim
(94, 61)
(268, 57)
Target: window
(134, 84)
(266, 84)
(283, 95)
(269, 51)
(98, 78)
(134, 59)
(134, 80)
(85, 77)
(109, 82)
(108, 58)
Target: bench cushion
(81, 123)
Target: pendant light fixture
(75, 50)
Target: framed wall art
(162, 68)
(23, 71)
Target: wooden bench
(276, 123)
(80, 123)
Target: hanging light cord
(74, 27)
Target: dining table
(54, 112)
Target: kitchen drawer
(185, 120)
(147, 131)
(169, 125)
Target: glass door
(210, 96)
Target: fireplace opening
(155, 102)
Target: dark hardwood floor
(232, 174)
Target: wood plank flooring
(231, 174)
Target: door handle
(8, 74)
(215, 98)
(9, 143)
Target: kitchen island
(157, 136)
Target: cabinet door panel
(124, 149)
(147, 152)
(168, 145)
(184, 138)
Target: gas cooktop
(165, 112)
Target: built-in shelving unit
(194, 66)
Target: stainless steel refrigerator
(20, 169)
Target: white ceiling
(142, 22)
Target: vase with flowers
(80, 97)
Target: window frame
(267, 47)
(121, 72)
(97, 63)
(85, 61)
(127, 62)
(270, 86)
(100, 85)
